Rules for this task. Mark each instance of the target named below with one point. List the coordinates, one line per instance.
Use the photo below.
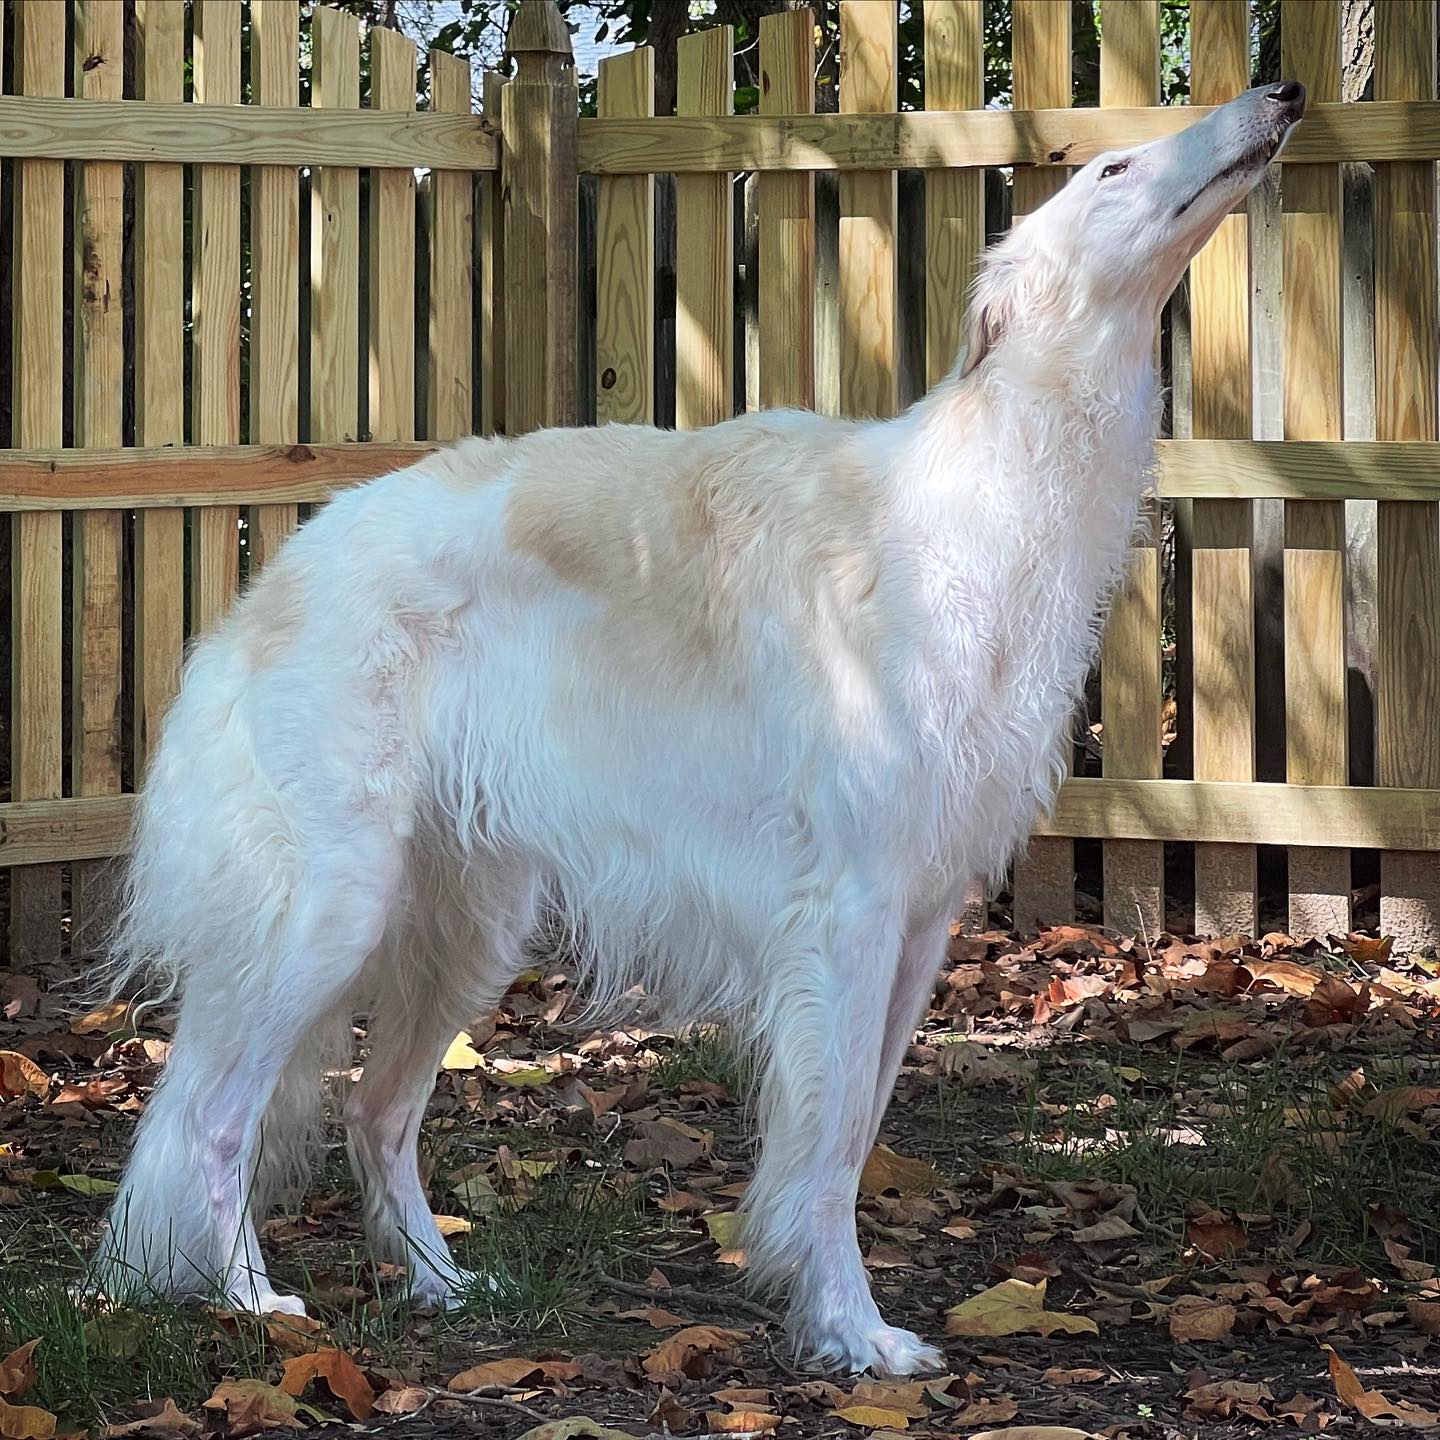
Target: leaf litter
(1131, 1190)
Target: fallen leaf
(1108, 1227)
(251, 1406)
(873, 1417)
(1217, 1237)
(449, 1225)
(721, 1422)
(663, 1142)
(1371, 1403)
(404, 1401)
(527, 1075)
(1368, 951)
(1035, 1432)
(87, 1184)
(295, 1334)
(907, 1397)
(985, 1412)
(725, 1227)
(102, 1021)
(25, 1422)
(571, 1428)
(462, 1055)
(1192, 1317)
(1013, 1307)
(1083, 1376)
(690, 1352)
(165, 1421)
(341, 1375)
(495, 1372)
(1391, 1104)
(744, 1397)
(668, 1415)
(885, 1170)
(17, 1371)
(1424, 1316)
(20, 1075)
(477, 1195)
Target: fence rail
(223, 308)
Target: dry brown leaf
(1082, 1376)
(573, 1427)
(1107, 1228)
(25, 1422)
(1217, 1237)
(404, 1401)
(341, 1375)
(1013, 1307)
(987, 1412)
(250, 1406)
(1036, 1432)
(906, 1396)
(17, 1370)
(1391, 1104)
(690, 1352)
(1424, 1316)
(752, 1422)
(1371, 1403)
(1192, 1317)
(664, 1142)
(167, 1420)
(295, 1334)
(512, 1371)
(1368, 951)
(744, 1397)
(668, 1415)
(885, 1170)
(20, 1075)
(102, 1021)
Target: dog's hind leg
(182, 1223)
(825, 1035)
(921, 956)
(464, 948)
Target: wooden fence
(1282, 617)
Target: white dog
(751, 705)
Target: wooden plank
(38, 359)
(704, 244)
(234, 134)
(1043, 878)
(625, 258)
(869, 82)
(335, 240)
(274, 268)
(1315, 718)
(1252, 814)
(37, 834)
(452, 206)
(490, 223)
(392, 253)
(1224, 750)
(98, 537)
(787, 221)
(931, 140)
(1381, 818)
(954, 198)
(148, 479)
(159, 378)
(1299, 470)
(215, 317)
(1224, 718)
(1130, 677)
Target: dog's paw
(247, 1297)
(450, 1291)
(881, 1349)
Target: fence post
(539, 112)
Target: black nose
(1287, 92)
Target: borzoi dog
(751, 705)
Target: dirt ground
(1183, 1189)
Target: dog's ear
(985, 324)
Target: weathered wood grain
(451, 199)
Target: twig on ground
(737, 1304)
(501, 1402)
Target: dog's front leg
(826, 1022)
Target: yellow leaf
(477, 1195)
(873, 1417)
(885, 1170)
(25, 1422)
(102, 1021)
(449, 1225)
(724, 1227)
(87, 1184)
(1013, 1307)
(529, 1075)
(461, 1055)
(744, 1422)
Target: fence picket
(274, 268)
(159, 378)
(869, 77)
(1407, 541)
(37, 771)
(490, 225)
(787, 221)
(1130, 678)
(451, 199)
(1315, 719)
(99, 535)
(1223, 627)
(392, 253)
(1044, 876)
(625, 257)
(704, 243)
(215, 316)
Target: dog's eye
(1118, 168)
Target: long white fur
(752, 705)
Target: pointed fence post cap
(538, 26)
